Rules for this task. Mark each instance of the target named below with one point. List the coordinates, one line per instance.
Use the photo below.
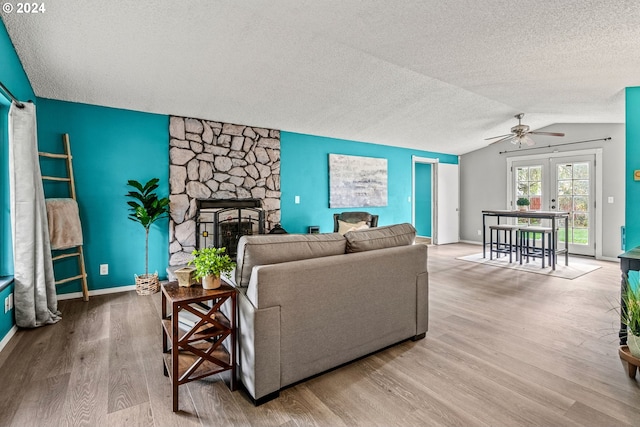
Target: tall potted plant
(146, 208)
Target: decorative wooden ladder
(78, 252)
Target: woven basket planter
(147, 284)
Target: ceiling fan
(520, 134)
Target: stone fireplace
(211, 160)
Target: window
(6, 251)
(529, 186)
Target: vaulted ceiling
(433, 75)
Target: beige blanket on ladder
(65, 230)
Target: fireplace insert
(221, 223)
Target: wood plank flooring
(504, 348)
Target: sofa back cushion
(380, 237)
(276, 248)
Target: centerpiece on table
(523, 203)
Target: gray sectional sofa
(310, 302)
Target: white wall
(483, 178)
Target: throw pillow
(344, 227)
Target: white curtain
(35, 290)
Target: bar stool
(527, 244)
(508, 247)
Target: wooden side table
(193, 333)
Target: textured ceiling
(433, 75)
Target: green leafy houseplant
(211, 262)
(522, 201)
(630, 316)
(146, 208)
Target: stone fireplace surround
(215, 160)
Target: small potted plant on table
(209, 264)
(523, 203)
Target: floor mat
(576, 268)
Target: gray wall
(483, 178)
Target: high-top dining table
(554, 216)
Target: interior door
(446, 204)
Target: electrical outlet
(104, 269)
(6, 305)
(11, 301)
(479, 232)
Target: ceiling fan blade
(548, 133)
(501, 136)
(505, 138)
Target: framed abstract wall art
(356, 181)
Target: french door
(564, 184)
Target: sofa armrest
(422, 303)
(259, 348)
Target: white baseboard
(471, 242)
(105, 291)
(606, 258)
(7, 337)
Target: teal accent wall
(423, 199)
(305, 173)
(6, 319)
(109, 147)
(632, 196)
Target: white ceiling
(434, 75)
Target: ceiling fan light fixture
(520, 134)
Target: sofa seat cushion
(277, 248)
(380, 237)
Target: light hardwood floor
(504, 348)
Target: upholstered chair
(358, 219)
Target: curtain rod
(10, 96)
(557, 145)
